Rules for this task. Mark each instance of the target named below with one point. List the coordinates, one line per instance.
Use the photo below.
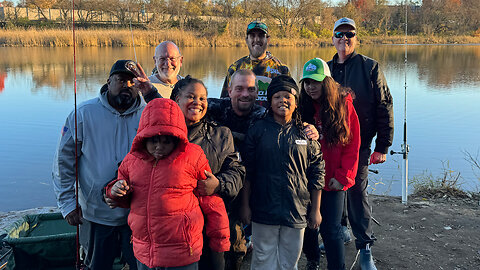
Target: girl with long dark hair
(327, 105)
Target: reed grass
(149, 38)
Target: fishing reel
(404, 152)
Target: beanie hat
(282, 83)
(123, 66)
(316, 69)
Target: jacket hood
(161, 116)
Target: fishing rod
(131, 32)
(78, 263)
(405, 147)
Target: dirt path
(433, 234)
(425, 234)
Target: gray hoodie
(104, 139)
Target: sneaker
(347, 238)
(312, 265)
(366, 259)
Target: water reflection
(440, 66)
(38, 95)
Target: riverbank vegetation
(222, 23)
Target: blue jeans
(331, 231)
(103, 243)
(193, 266)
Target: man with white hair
(168, 61)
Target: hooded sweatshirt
(165, 215)
(104, 138)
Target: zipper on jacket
(187, 238)
(148, 210)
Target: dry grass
(149, 38)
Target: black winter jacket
(217, 143)
(220, 111)
(282, 167)
(373, 101)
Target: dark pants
(193, 266)
(359, 211)
(331, 231)
(103, 243)
(238, 248)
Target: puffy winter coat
(166, 216)
(341, 161)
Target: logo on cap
(311, 67)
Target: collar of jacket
(335, 58)
(138, 104)
(267, 57)
(200, 127)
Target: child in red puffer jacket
(157, 180)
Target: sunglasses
(347, 34)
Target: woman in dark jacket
(217, 144)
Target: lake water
(36, 95)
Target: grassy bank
(144, 38)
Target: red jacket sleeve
(345, 174)
(123, 202)
(215, 214)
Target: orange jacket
(166, 216)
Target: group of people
(170, 179)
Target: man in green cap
(264, 65)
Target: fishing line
(77, 238)
(131, 32)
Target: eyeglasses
(170, 59)
(346, 34)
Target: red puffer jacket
(341, 161)
(166, 216)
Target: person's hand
(377, 158)
(120, 188)
(311, 131)
(245, 214)
(110, 202)
(74, 218)
(141, 82)
(314, 219)
(208, 186)
(333, 184)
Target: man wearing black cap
(374, 105)
(105, 128)
(260, 61)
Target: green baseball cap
(316, 69)
(257, 25)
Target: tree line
(286, 18)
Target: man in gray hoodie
(106, 126)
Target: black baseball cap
(123, 66)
